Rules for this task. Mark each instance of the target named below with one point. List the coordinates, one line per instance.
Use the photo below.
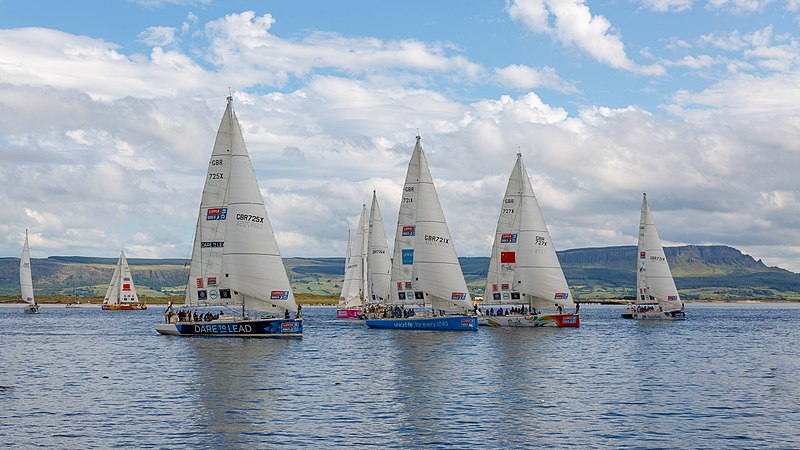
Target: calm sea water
(83, 378)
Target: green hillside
(701, 272)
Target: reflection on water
(85, 378)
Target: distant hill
(701, 272)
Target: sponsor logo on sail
(199, 283)
(212, 281)
(409, 230)
(641, 255)
(212, 244)
(126, 286)
(408, 256)
(508, 238)
(216, 213)
(561, 296)
(672, 298)
(279, 295)
(458, 296)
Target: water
(85, 378)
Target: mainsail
(379, 265)
(121, 289)
(654, 282)
(235, 258)
(25, 279)
(524, 266)
(425, 268)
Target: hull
(538, 320)
(32, 309)
(446, 323)
(131, 307)
(235, 328)
(654, 315)
(349, 313)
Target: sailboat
(524, 270)
(657, 297)
(354, 288)
(236, 264)
(379, 265)
(121, 292)
(425, 268)
(368, 268)
(25, 279)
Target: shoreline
(321, 300)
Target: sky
(109, 109)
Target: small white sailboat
(26, 280)
(368, 268)
(236, 263)
(121, 292)
(425, 268)
(657, 297)
(379, 264)
(524, 270)
(354, 288)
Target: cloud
(668, 5)
(107, 149)
(242, 46)
(739, 6)
(572, 24)
(158, 36)
(524, 77)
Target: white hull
(654, 315)
(530, 320)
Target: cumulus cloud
(572, 23)
(110, 149)
(524, 77)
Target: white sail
(235, 260)
(355, 275)
(654, 282)
(425, 267)
(524, 266)
(121, 289)
(25, 279)
(205, 272)
(379, 264)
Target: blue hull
(446, 323)
(235, 328)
